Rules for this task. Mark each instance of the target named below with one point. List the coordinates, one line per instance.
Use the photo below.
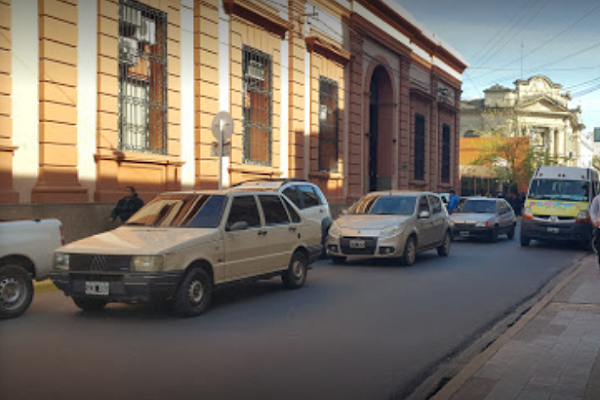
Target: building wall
(59, 110)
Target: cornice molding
(328, 49)
(257, 14)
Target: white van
(558, 203)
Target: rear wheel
(410, 251)
(194, 294)
(295, 276)
(444, 249)
(338, 259)
(87, 304)
(16, 291)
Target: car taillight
(527, 213)
(62, 235)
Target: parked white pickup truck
(26, 251)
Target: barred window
(419, 156)
(445, 153)
(328, 125)
(257, 106)
(142, 78)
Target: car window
(207, 213)
(167, 210)
(436, 204)
(423, 204)
(291, 211)
(274, 210)
(293, 195)
(311, 199)
(244, 208)
(384, 205)
(479, 207)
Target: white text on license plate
(96, 288)
(464, 233)
(357, 244)
(553, 230)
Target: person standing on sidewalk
(452, 202)
(127, 206)
(595, 216)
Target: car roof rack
(282, 180)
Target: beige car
(181, 245)
(391, 224)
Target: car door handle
(292, 229)
(262, 233)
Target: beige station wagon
(391, 224)
(181, 245)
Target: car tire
(16, 291)
(511, 233)
(194, 294)
(338, 260)
(410, 251)
(295, 276)
(494, 234)
(444, 249)
(525, 241)
(87, 304)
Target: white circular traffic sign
(222, 124)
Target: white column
(87, 95)
(188, 170)
(307, 73)
(25, 98)
(224, 79)
(284, 135)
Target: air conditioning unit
(146, 33)
(256, 70)
(128, 50)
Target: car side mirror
(424, 214)
(238, 226)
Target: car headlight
(61, 261)
(391, 230)
(334, 230)
(483, 224)
(147, 263)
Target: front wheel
(338, 260)
(444, 249)
(87, 304)
(525, 241)
(511, 233)
(16, 291)
(295, 276)
(494, 234)
(410, 251)
(194, 294)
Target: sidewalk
(551, 353)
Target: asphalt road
(365, 330)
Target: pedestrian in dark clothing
(127, 206)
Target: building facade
(97, 95)
(537, 108)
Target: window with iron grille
(142, 78)
(257, 106)
(445, 153)
(419, 156)
(328, 125)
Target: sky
(506, 40)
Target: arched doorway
(381, 131)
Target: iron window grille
(257, 106)
(419, 156)
(445, 153)
(328, 125)
(142, 78)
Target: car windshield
(479, 207)
(385, 205)
(559, 189)
(180, 210)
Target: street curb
(44, 286)
(450, 388)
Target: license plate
(357, 244)
(96, 288)
(553, 230)
(464, 233)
